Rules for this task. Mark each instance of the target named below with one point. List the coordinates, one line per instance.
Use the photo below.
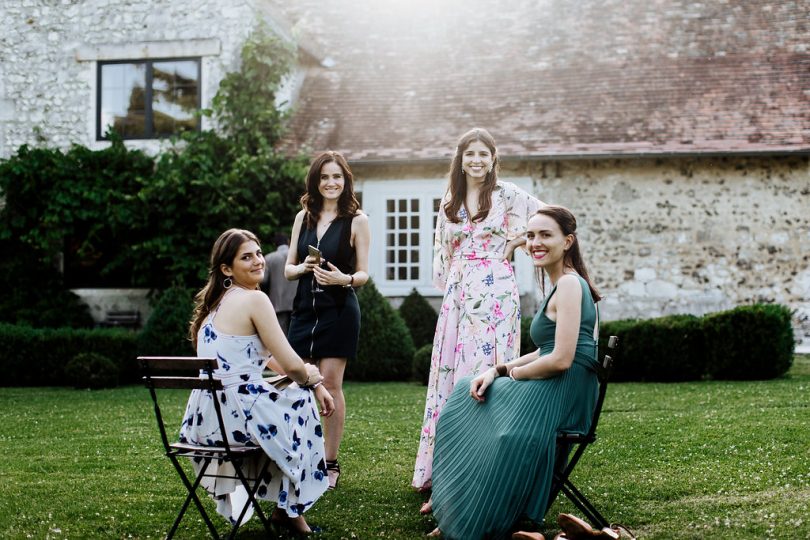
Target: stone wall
(48, 79)
(678, 235)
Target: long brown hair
(573, 257)
(312, 200)
(225, 251)
(457, 183)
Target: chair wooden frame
(565, 461)
(198, 373)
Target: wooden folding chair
(198, 373)
(565, 461)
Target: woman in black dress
(325, 322)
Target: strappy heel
(334, 466)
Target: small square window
(148, 99)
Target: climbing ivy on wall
(119, 217)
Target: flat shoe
(577, 529)
(527, 535)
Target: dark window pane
(414, 255)
(403, 205)
(389, 205)
(403, 222)
(174, 96)
(390, 239)
(389, 273)
(123, 105)
(403, 239)
(403, 273)
(402, 256)
(414, 205)
(414, 272)
(390, 256)
(414, 239)
(414, 222)
(390, 224)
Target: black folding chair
(565, 461)
(186, 374)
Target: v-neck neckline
(325, 231)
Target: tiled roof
(554, 77)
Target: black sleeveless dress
(327, 323)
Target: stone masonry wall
(678, 235)
(46, 90)
(690, 235)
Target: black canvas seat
(571, 446)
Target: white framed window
(402, 216)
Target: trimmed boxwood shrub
(37, 357)
(385, 351)
(665, 349)
(526, 343)
(91, 370)
(421, 363)
(749, 342)
(420, 317)
(166, 331)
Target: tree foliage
(123, 218)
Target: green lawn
(693, 460)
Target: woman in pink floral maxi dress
(479, 320)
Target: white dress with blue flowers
(285, 423)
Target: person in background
(480, 223)
(280, 290)
(325, 323)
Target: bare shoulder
(569, 284)
(299, 217)
(360, 218)
(255, 297)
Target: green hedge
(421, 363)
(38, 357)
(166, 331)
(748, 342)
(420, 317)
(385, 351)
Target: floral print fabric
(285, 423)
(479, 320)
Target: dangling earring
(227, 282)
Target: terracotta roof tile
(555, 77)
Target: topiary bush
(91, 370)
(665, 349)
(385, 351)
(526, 343)
(421, 363)
(166, 331)
(37, 357)
(749, 342)
(420, 317)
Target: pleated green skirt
(493, 461)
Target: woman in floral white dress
(481, 221)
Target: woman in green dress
(495, 440)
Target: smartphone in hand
(315, 252)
